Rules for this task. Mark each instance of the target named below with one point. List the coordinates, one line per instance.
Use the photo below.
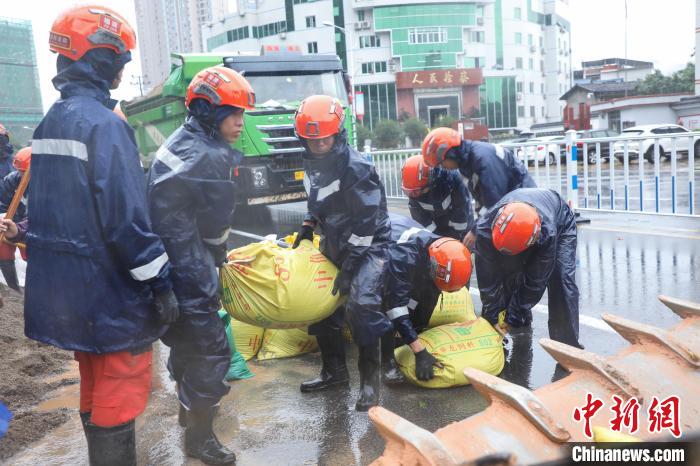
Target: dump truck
(271, 171)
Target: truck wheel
(592, 157)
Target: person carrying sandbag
(346, 202)
(191, 197)
(421, 266)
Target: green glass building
(20, 95)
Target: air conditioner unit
(364, 25)
(358, 26)
(480, 21)
(283, 35)
(392, 66)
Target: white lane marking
(594, 322)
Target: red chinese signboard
(439, 78)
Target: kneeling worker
(524, 245)
(421, 266)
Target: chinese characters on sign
(439, 78)
(661, 415)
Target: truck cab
(271, 171)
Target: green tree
(680, 81)
(387, 134)
(445, 121)
(415, 129)
(363, 133)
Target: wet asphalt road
(624, 261)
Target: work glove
(167, 307)
(342, 282)
(305, 232)
(220, 254)
(424, 365)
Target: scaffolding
(20, 96)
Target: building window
(530, 63)
(518, 63)
(310, 21)
(542, 88)
(530, 40)
(521, 111)
(542, 111)
(517, 13)
(518, 38)
(380, 103)
(480, 11)
(369, 41)
(532, 87)
(430, 35)
(541, 65)
(532, 111)
(361, 15)
(374, 67)
(479, 62)
(478, 36)
(312, 47)
(269, 29)
(541, 42)
(519, 86)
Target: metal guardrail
(657, 184)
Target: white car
(543, 148)
(672, 132)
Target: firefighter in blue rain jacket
(348, 205)
(191, 195)
(98, 277)
(525, 244)
(490, 170)
(421, 266)
(437, 198)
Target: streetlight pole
(348, 58)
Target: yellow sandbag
(248, 338)
(603, 435)
(286, 343)
(457, 346)
(274, 287)
(453, 307)
(289, 239)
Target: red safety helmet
(22, 159)
(515, 228)
(318, 117)
(219, 85)
(450, 264)
(415, 176)
(437, 143)
(84, 28)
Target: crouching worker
(421, 266)
(346, 202)
(524, 245)
(191, 196)
(96, 271)
(8, 187)
(490, 170)
(437, 198)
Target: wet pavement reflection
(623, 263)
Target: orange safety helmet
(318, 117)
(219, 85)
(437, 143)
(415, 176)
(22, 159)
(84, 28)
(450, 264)
(516, 227)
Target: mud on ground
(25, 366)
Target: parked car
(683, 144)
(591, 148)
(547, 147)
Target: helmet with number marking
(318, 117)
(219, 86)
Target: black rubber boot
(391, 374)
(84, 419)
(111, 446)
(368, 363)
(333, 369)
(200, 441)
(9, 271)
